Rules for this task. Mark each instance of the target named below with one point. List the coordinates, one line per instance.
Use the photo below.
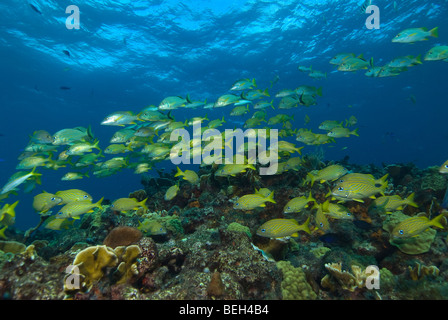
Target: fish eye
(53, 199)
(289, 208)
(263, 230)
(400, 231)
(446, 166)
(60, 213)
(321, 224)
(237, 204)
(340, 188)
(349, 214)
(85, 196)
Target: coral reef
(212, 251)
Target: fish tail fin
(98, 204)
(139, 117)
(188, 98)
(410, 200)
(34, 173)
(37, 179)
(312, 178)
(306, 225)
(11, 209)
(434, 32)
(179, 172)
(324, 206)
(96, 143)
(2, 232)
(436, 221)
(319, 91)
(143, 204)
(310, 198)
(299, 150)
(355, 132)
(253, 82)
(418, 59)
(270, 198)
(383, 182)
(266, 92)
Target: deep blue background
(129, 54)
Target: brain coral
(122, 236)
(294, 284)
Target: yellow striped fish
(280, 228)
(252, 201)
(413, 226)
(388, 204)
(128, 204)
(336, 211)
(297, 204)
(45, 201)
(329, 173)
(171, 192)
(72, 195)
(233, 169)
(76, 208)
(265, 192)
(354, 177)
(358, 190)
(321, 220)
(188, 175)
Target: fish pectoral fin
(295, 234)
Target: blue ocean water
(130, 54)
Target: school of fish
(144, 139)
